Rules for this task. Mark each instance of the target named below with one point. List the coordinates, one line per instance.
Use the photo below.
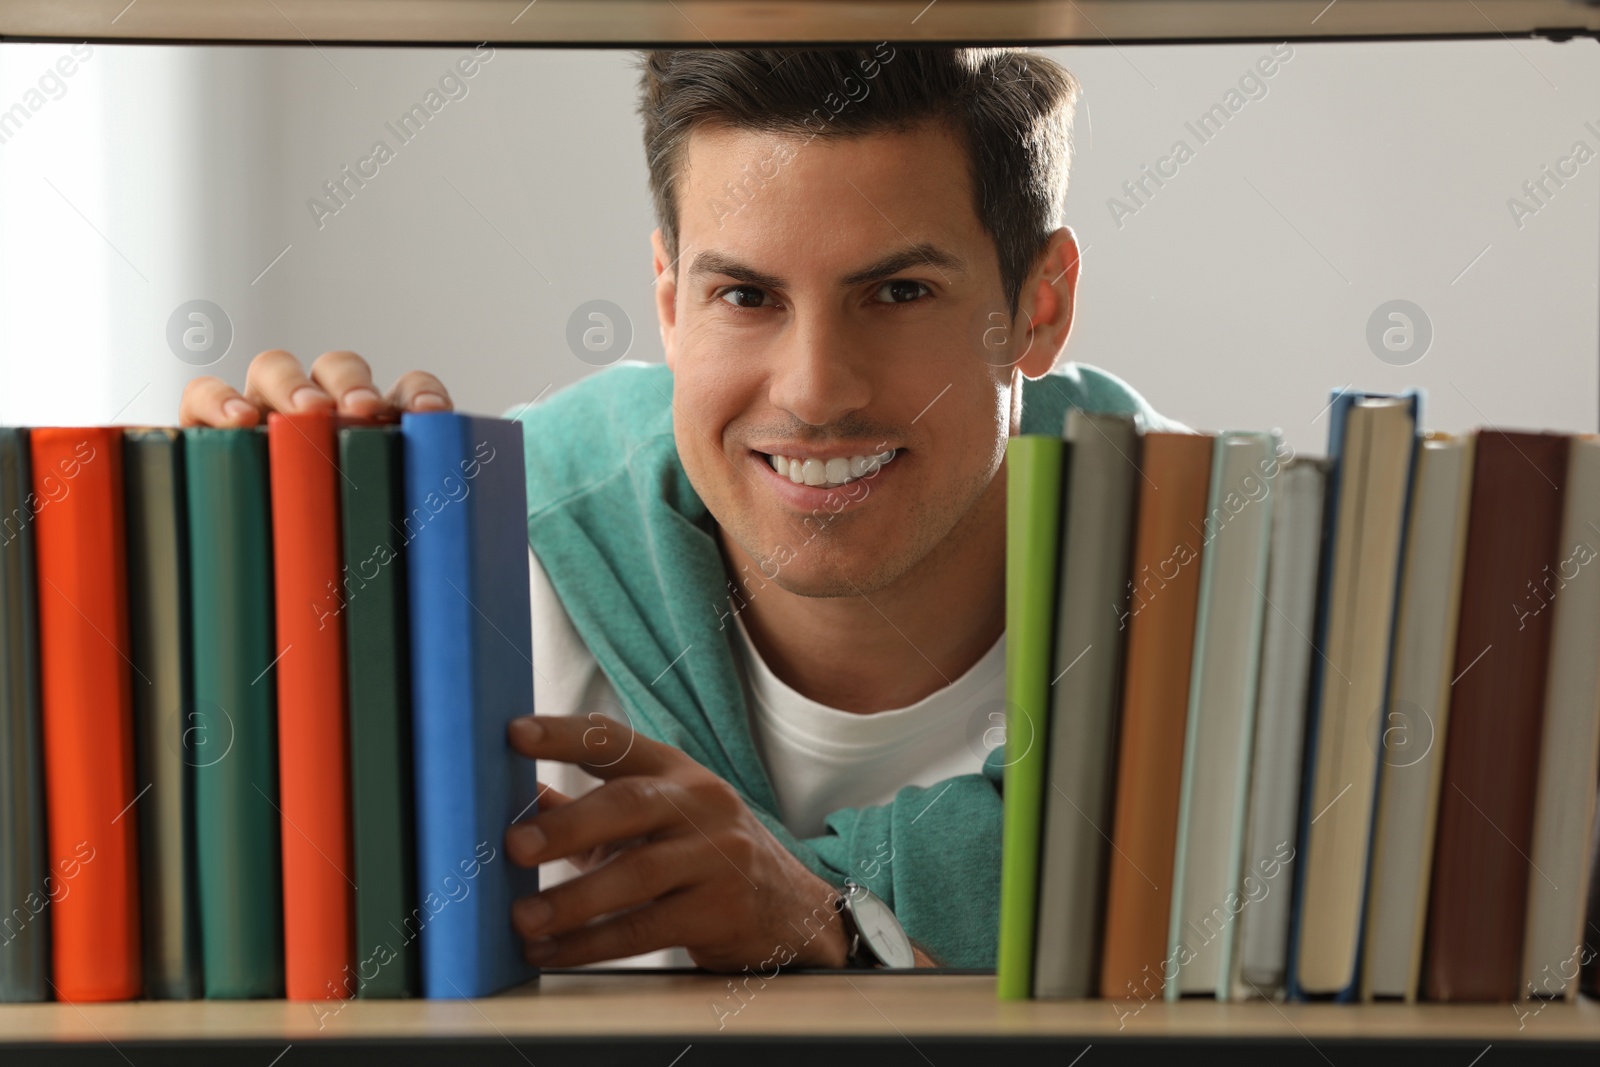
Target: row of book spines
(1041, 499)
(221, 515)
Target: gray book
(24, 890)
(1286, 653)
(1208, 865)
(158, 617)
(1097, 536)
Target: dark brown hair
(1012, 109)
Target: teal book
(1034, 467)
(158, 624)
(230, 741)
(373, 600)
(25, 889)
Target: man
(780, 557)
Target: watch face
(881, 930)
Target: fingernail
(236, 408)
(539, 950)
(530, 728)
(429, 402)
(306, 396)
(363, 396)
(533, 914)
(530, 840)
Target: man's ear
(666, 294)
(1047, 303)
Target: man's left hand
(670, 854)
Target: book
(1159, 616)
(1096, 527)
(1219, 731)
(313, 761)
(471, 675)
(1478, 893)
(231, 739)
(27, 884)
(373, 602)
(158, 621)
(1371, 442)
(86, 707)
(1416, 720)
(1286, 653)
(1033, 522)
(1565, 790)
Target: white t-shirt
(820, 759)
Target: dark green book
(1034, 475)
(158, 618)
(373, 600)
(231, 740)
(25, 889)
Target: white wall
(1237, 295)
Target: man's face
(830, 308)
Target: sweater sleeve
(932, 854)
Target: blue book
(1372, 445)
(466, 533)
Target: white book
(1286, 654)
(1416, 717)
(1207, 895)
(1554, 938)
(1367, 520)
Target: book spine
(1034, 466)
(231, 739)
(313, 758)
(25, 877)
(382, 818)
(87, 712)
(158, 613)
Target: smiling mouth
(828, 473)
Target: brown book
(1160, 615)
(1485, 833)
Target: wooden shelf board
(700, 22)
(822, 1005)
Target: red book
(313, 761)
(87, 707)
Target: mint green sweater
(630, 550)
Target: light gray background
(1237, 296)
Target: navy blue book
(1372, 445)
(466, 531)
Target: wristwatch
(875, 937)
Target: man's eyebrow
(916, 255)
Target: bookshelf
(668, 1018)
(697, 22)
(843, 1018)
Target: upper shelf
(703, 22)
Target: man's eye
(745, 296)
(900, 291)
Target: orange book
(1164, 590)
(313, 761)
(86, 705)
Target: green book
(1034, 465)
(158, 617)
(231, 739)
(373, 600)
(25, 882)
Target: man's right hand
(340, 382)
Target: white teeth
(831, 472)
